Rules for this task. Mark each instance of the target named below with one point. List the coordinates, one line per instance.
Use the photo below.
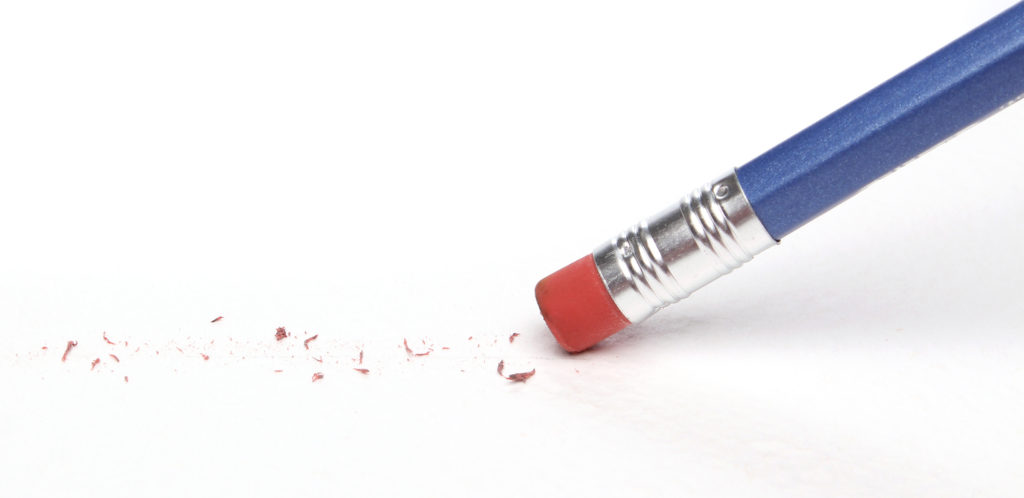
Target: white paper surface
(405, 170)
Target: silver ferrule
(665, 258)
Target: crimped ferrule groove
(665, 258)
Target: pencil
(726, 222)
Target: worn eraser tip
(576, 306)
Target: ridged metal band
(668, 256)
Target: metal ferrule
(668, 256)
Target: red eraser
(576, 306)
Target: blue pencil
(726, 222)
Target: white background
(373, 171)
